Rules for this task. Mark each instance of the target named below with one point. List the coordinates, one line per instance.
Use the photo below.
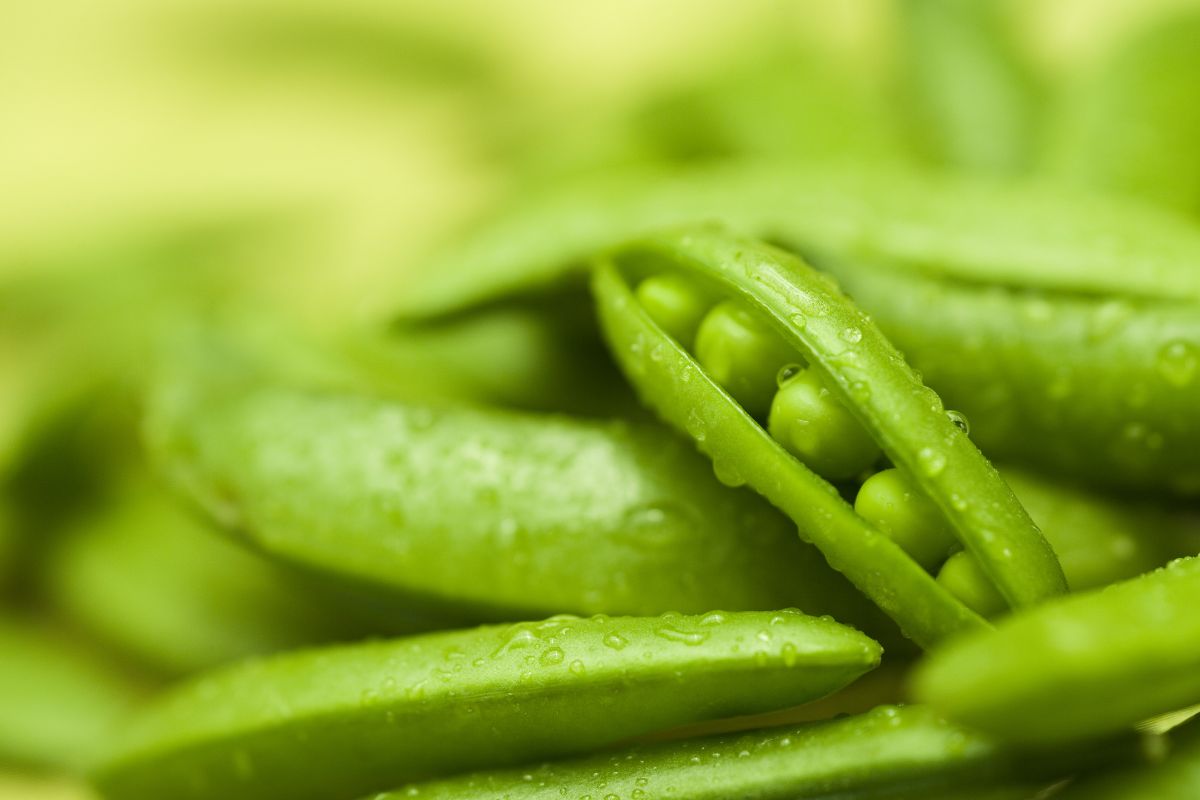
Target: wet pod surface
(351, 720)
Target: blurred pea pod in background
(1131, 124)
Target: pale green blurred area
(303, 157)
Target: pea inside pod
(845, 396)
(346, 721)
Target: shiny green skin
(1131, 126)
(345, 721)
(147, 577)
(881, 753)
(1177, 778)
(1079, 667)
(867, 374)
(57, 704)
(973, 102)
(483, 515)
(1019, 272)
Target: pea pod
(147, 577)
(885, 753)
(366, 717)
(1038, 287)
(1114, 377)
(1131, 125)
(1098, 539)
(1079, 667)
(857, 365)
(973, 101)
(57, 702)
(482, 515)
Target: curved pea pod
(148, 577)
(57, 703)
(1035, 236)
(345, 721)
(1131, 126)
(482, 515)
(851, 361)
(1101, 540)
(1079, 667)
(973, 101)
(883, 753)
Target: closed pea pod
(482, 515)
(1079, 667)
(368, 717)
(877, 754)
(857, 370)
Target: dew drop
(852, 335)
(551, 656)
(615, 641)
(787, 373)
(696, 427)
(673, 634)
(960, 421)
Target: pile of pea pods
(847, 451)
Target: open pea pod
(1039, 287)
(482, 515)
(345, 721)
(883, 753)
(755, 312)
(1079, 667)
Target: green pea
(58, 703)
(367, 717)
(1077, 667)
(814, 426)
(888, 752)
(675, 304)
(894, 504)
(742, 354)
(962, 576)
